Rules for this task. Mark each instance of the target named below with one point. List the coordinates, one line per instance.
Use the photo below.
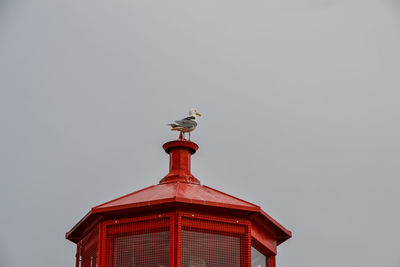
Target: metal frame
(106, 244)
(213, 223)
(176, 221)
(85, 245)
(269, 255)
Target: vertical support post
(99, 244)
(103, 250)
(172, 246)
(77, 255)
(246, 249)
(272, 261)
(178, 240)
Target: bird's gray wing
(186, 123)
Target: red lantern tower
(178, 222)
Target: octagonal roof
(176, 192)
(179, 186)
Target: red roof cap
(180, 152)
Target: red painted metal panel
(126, 229)
(138, 241)
(217, 241)
(215, 225)
(267, 245)
(285, 233)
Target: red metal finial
(180, 152)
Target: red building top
(179, 188)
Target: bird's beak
(198, 114)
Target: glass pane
(257, 258)
(142, 250)
(200, 249)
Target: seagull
(186, 125)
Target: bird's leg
(180, 136)
(189, 136)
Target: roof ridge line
(110, 201)
(176, 190)
(252, 204)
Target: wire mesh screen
(88, 250)
(212, 247)
(139, 244)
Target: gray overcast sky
(301, 116)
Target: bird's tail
(173, 125)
